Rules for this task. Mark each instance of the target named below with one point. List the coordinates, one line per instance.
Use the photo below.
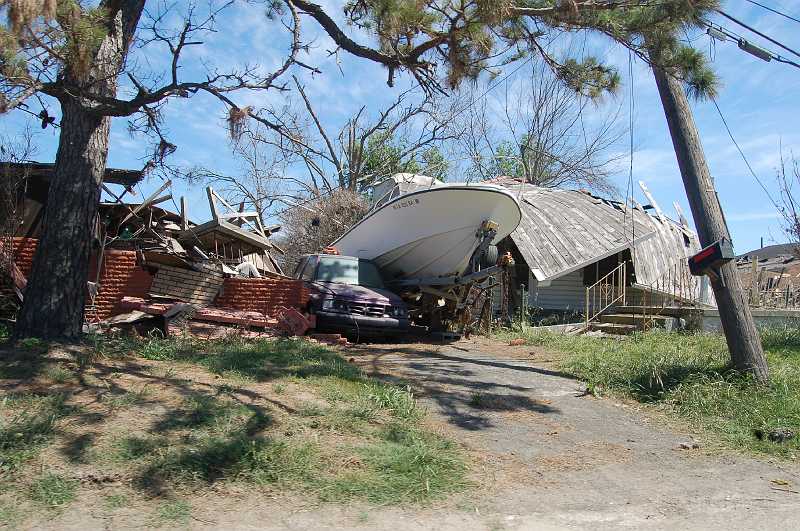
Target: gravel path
(554, 459)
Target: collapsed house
(148, 259)
(577, 253)
(771, 276)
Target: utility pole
(741, 335)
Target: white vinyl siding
(565, 293)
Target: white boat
(422, 228)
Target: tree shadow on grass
(20, 362)
(205, 430)
(78, 449)
(266, 360)
(469, 392)
(204, 411)
(648, 388)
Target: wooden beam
(653, 202)
(242, 215)
(184, 214)
(147, 202)
(681, 216)
(212, 203)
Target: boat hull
(430, 233)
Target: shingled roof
(565, 230)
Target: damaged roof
(565, 230)
(44, 171)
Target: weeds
(26, 425)
(53, 491)
(397, 400)
(175, 511)
(58, 374)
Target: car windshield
(349, 271)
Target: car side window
(298, 269)
(308, 269)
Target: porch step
(613, 328)
(638, 320)
(671, 311)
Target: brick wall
(23, 253)
(120, 276)
(196, 287)
(264, 295)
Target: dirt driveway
(554, 459)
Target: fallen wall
(121, 276)
(263, 295)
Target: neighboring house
(773, 251)
(569, 240)
(771, 276)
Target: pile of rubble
(157, 270)
(771, 276)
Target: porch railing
(675, 289)
(606, 292)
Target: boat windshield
(349, 271)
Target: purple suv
(348, 296)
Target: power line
(744, 158)
(629, 190)
(774, 11)
(770, 39)
(716, 31)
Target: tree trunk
(741, 334)
(55, 298)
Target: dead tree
(312, 225)
(789, 202)
(536, 131)
(405, 136)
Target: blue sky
(759, 101)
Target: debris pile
(156, 269)
(771, 275)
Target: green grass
(127, 399)
(5, 332)
(690, 375)
(58, 374)
(174, 511)
(134, 447)
(32, 344)
(10, 516)
(408, 466)
(232, 442)
(53, 491)
(304, 421)
(27, 424)
(116, 501)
